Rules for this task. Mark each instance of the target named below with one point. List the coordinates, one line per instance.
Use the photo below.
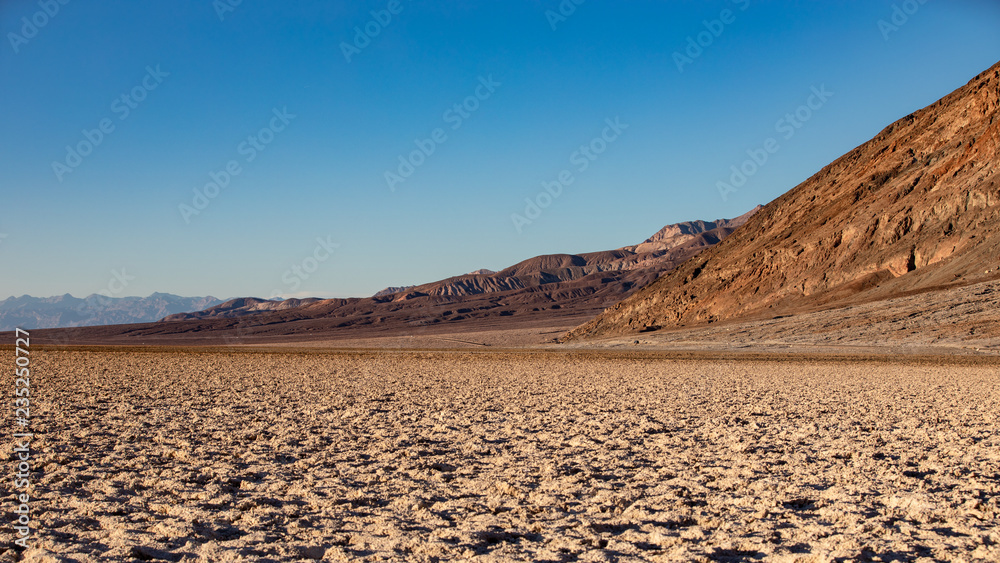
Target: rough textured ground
(538, 456)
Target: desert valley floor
(268, 455)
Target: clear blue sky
(218, 80)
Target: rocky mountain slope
(913, 210)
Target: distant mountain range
(64, 311)
(555, 288)
(565, 282)
(569, 283)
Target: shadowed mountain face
(551, 288)
(914, 209)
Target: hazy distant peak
(63, 311)
(698, 227)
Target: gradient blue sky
(322, 176)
